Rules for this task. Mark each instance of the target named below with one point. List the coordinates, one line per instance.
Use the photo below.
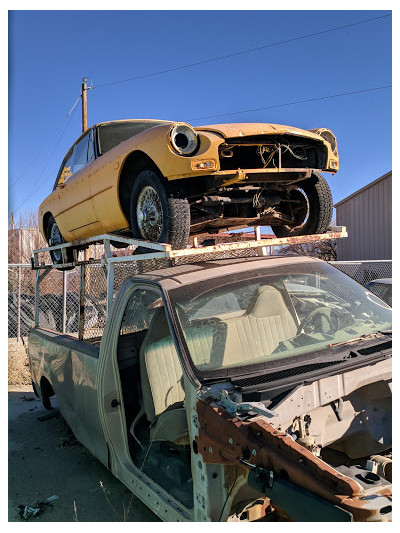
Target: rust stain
(224, 439)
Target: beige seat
(161, 379)
(260, 330)
(269, 320)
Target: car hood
(246, 129)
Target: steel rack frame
(155, 251)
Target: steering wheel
(320, 318)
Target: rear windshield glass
(112, 134)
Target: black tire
(318, 215)
(119, 245)
(54, 237)
(168, 216)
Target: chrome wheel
(56, 238)
(149, 214)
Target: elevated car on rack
(162, 181)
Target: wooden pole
(84, 105)
(84, 128)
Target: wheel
(160, 211)
(311, 205)
(119, 245)
(54, 237)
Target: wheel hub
(149, 214)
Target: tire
(160, 211)
(54, 237)
(316, 218)
(119, 245)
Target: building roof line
(356, 193)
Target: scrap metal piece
(256, 442)
(299, 504)
(252, 408)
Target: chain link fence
(64, 314)
(365, 271)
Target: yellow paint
(65, 174)
(89, 200)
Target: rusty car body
(241, 389)
(162, 180)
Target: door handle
(115, 403)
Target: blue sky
(50, 52)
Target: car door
(136, 308)
(74, 212)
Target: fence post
(64, 302)
(110, 286)
(19, 305)
(37, 295)
(82, 302)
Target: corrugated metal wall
(368, 216)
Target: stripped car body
(236, 389)
(221, 176)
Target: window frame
(70, 154)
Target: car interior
(152, 377)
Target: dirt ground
(45, 460)
(18, 364)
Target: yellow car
(162, 181)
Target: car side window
(80, 155)
(65, 171)
(140, 311)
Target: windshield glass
(114, 133)
(267, 314)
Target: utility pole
(84, 105)
(84, 128)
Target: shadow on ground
(45, 460)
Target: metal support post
(64, 302)
(82, 302)
(37, 295)
(19, 305)
(110, 286)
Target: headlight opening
(328, 136)
(184, 140)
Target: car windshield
(114, 133)
(274, 313)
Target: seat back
(161, 373)
(259, 331)
(269, 320)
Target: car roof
(132, 120)
(186, 274)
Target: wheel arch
(46, 392)
(132, 166)
(46, 218)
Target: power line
(45, 146)
(234, 54)
(38, 182)
(291, 103)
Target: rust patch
(224, 439)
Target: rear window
(114, 133)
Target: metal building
(367, 213)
